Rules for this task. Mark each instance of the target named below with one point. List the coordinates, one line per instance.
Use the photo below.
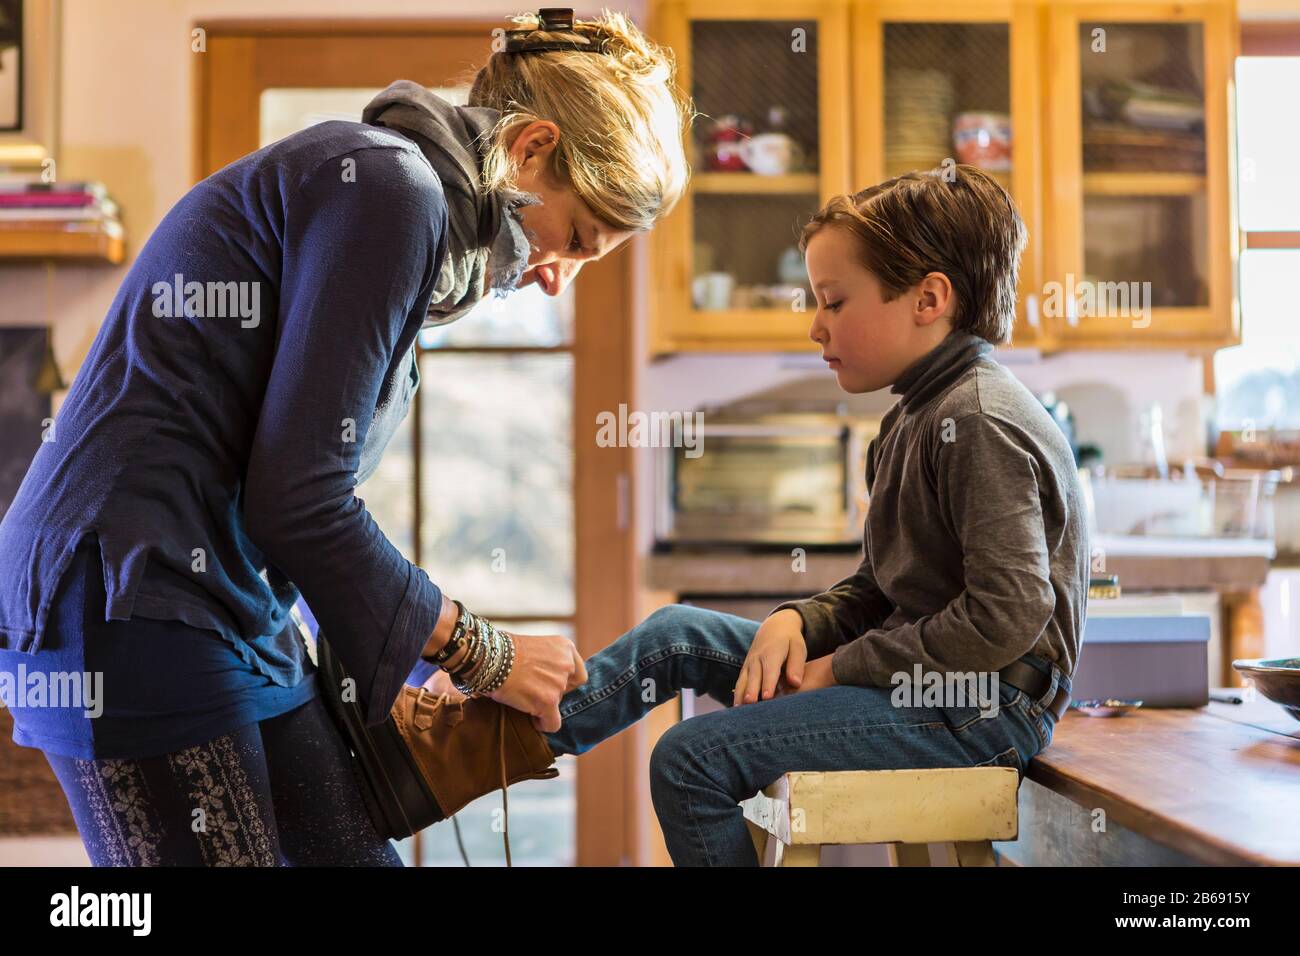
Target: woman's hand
(778, 647)
(545, 669)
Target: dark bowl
(1278, 680)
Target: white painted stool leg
(947, 854)
(760, 838)
(911, 854)
(803, 854)
(976, 854)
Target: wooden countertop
(1219, 784)
(741, 571)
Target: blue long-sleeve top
(213, 436)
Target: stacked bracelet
(457, 639)
(489, 658)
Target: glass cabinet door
(947, 91)
(1143, 243)
(948, 84)
(768, 146)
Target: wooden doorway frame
(245, 57)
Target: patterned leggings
(277, 793)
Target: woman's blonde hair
(620, 114)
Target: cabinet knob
(1031, 311)
(622, 488)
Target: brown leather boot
(433, 755)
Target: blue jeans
(702, 768)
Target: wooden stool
(964, 809)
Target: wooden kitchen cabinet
(883, 86)
(717, 281)
(1139, 196)
(919, 70)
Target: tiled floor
(42, 851)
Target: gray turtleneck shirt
(975, 544)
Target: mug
(712, 291)
(770, 154)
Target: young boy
(975, 564)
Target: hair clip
(551, 20)
(555, 19)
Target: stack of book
(77, 207)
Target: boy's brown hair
(967, 228)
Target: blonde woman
(248, 375)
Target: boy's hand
(778, 651)
(816, 675)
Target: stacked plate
(918, 114)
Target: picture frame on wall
(29, 32)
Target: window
(1258, 382)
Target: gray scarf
(487, 244)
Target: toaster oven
(795, 479)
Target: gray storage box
(1161, 661)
